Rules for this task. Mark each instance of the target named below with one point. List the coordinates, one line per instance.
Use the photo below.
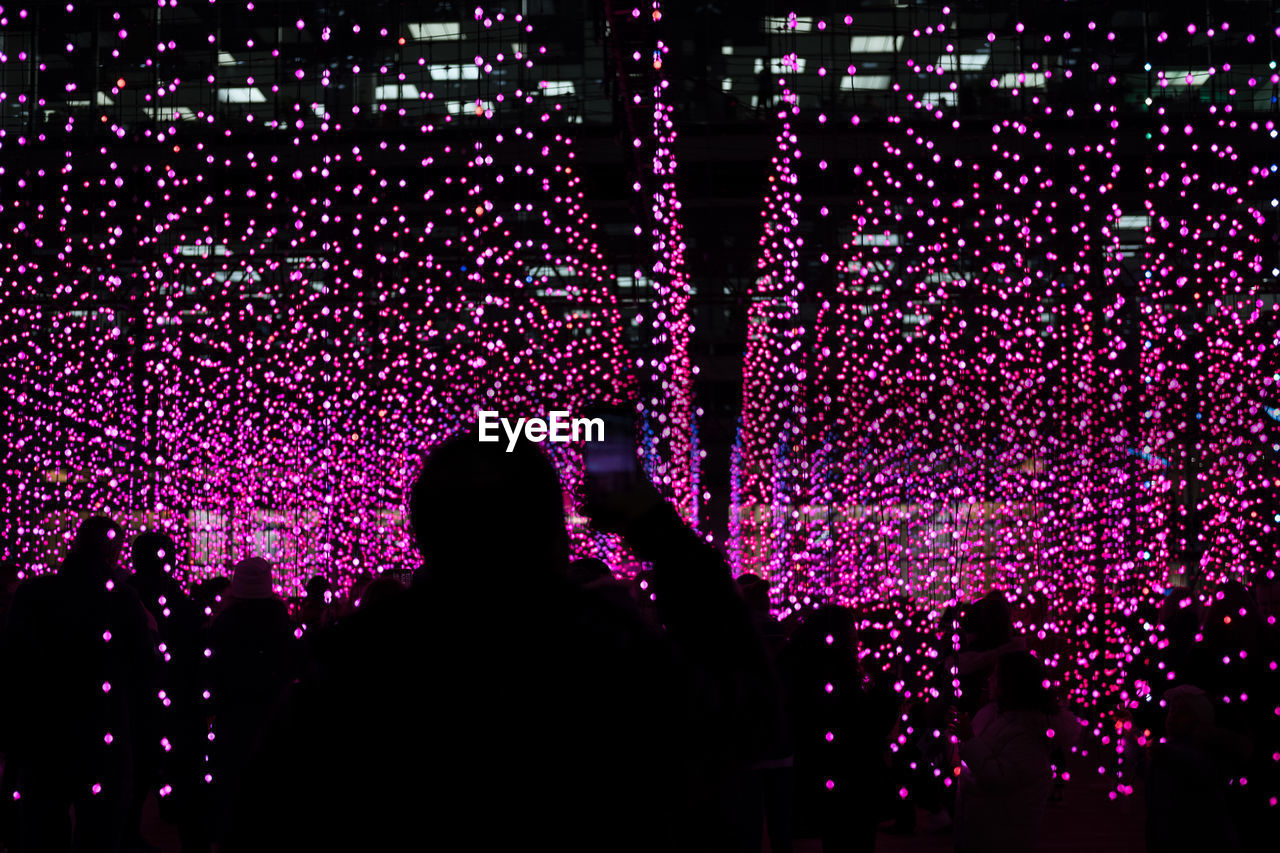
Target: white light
(435, 31)
(225, 58)
(865, 81)
(946, 99)
(203, 252)
(1028, 81)
(1133, 222)
(241, 95)
(162, 113)
(104, 100)
(454, 72)
(468, 108)
(391, 92)
(552, 272)
(876, 44)
(875, 239)
(1179, 78)
(726, 84)
(552, 88)
(967, 61)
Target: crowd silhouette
(512, 697)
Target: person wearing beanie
(1187, 770)
(252, 654)
(251, 580)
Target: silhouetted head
(1020, 684)
(831, 630)
(358, 586)
(154, 552)
(991, 621)
(8, 583)
(477, 508)
(208, 590)
(951, 620)
(755, 591)
(1190, 714)
(1231, 622)
(316, 587)
(251, 579)
(1266, 592)
(382, 589)
(1180, 616)
(97, 545)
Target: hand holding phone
(616, 489)
(611, 464)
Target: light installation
(772, 414)
(248, 339)
(1015, 380)
(666, 372)
(1043, 360)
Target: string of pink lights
(767, 514)
(678, 456)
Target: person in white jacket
(1006, 774)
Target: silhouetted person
(1007, 770)
(1266, 592)
(253, 656)
(521, 710)
(384, 588)
(317, 611)
(840, 723)
(589, 570)
(1179, 623)
(357, 590)
(1229, 665)
(80, 667)
(8, 586)
(170, 756)
(595, 575)
(755, 591)
(768, 796)
(1167, 662)
(1186, 792)
(988, 635)
(210, 596)
(645, 599)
